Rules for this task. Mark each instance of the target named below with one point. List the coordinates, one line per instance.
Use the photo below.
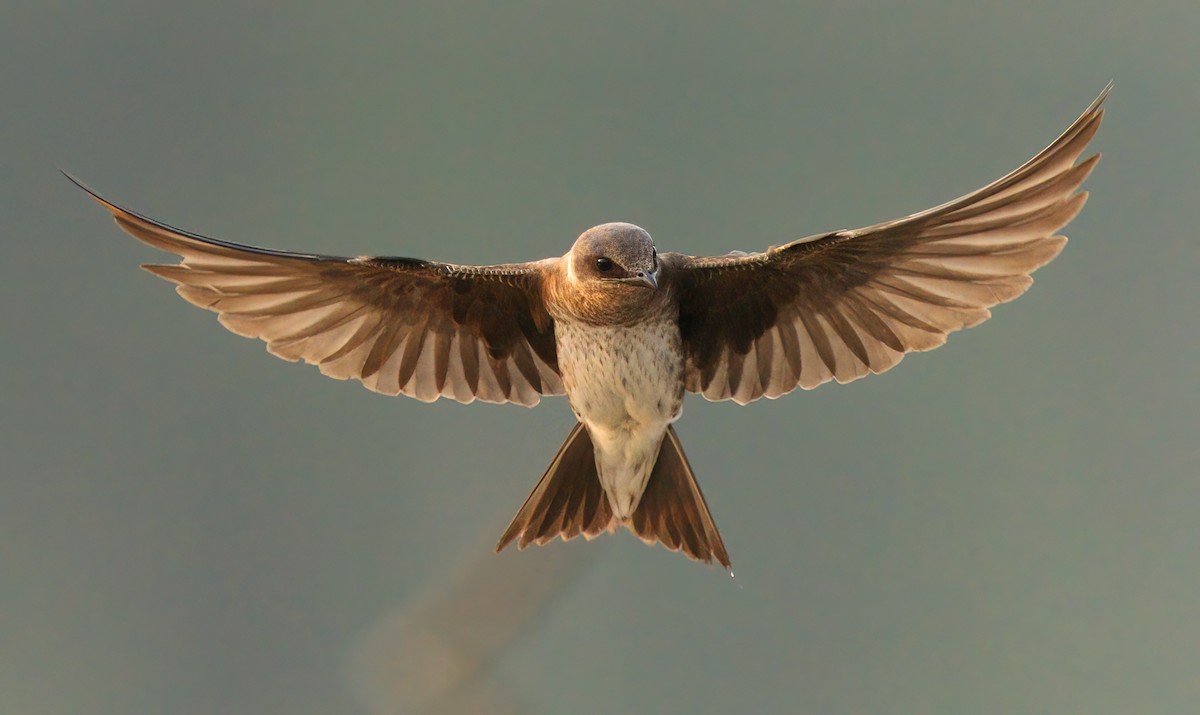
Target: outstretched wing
(399, 325)
(841, 305)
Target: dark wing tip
(132, 222)
(91, 192)
(119, 211)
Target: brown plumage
(623, 331)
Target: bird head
(615, 255)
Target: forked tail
(673, 511)
(569, 501)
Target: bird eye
(604, 265)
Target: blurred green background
(189, 525)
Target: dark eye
(604, 265)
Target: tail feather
(567, 502)
(673, 511)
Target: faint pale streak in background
(437, 652)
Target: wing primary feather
(848, 335)
(873, 324)
(819, 340)
(468, 349)
(414, 344)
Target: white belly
(626, 384)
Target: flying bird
(625, 331)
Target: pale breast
(622, 377)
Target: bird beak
(644, 278)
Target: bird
(625, 332)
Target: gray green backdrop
(190, 526)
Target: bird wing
(841, 305)
(398, 325)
